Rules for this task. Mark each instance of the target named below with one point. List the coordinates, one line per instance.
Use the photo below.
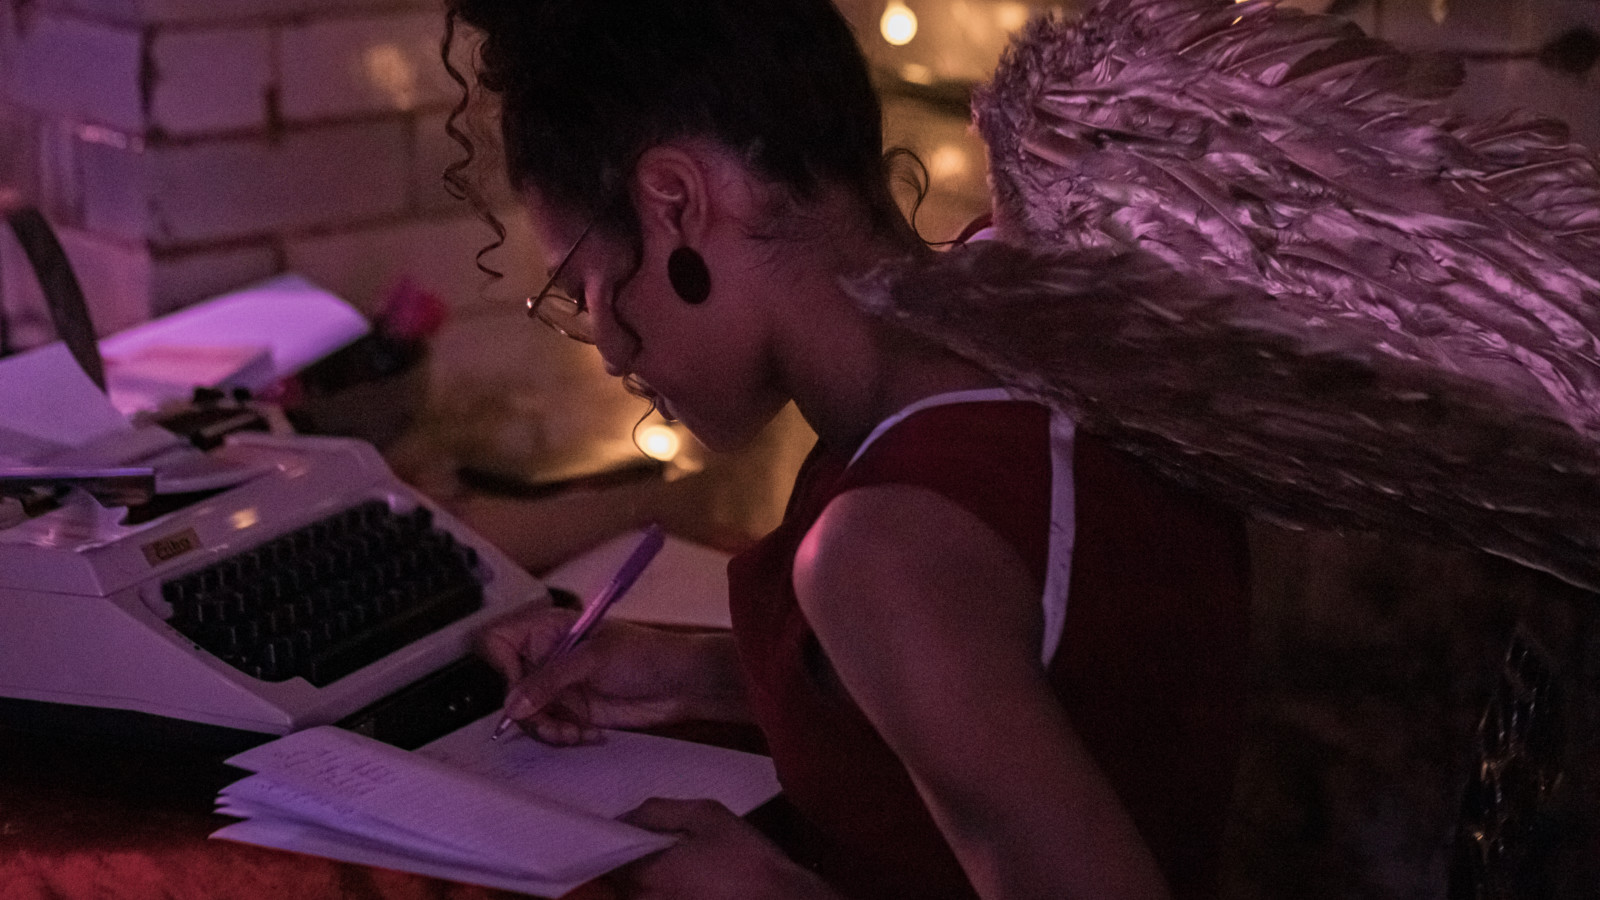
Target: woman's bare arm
(933, 625)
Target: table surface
(83, 819)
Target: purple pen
(595, 609)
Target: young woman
(989, 656)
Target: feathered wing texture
(1250, 246)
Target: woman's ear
(672, 193)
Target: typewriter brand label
(171, 546)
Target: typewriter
(314, 588)
(246, 590)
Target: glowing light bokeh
(1011, 16)
(899, 23)
(947, 162)
(660, 442)
(392, 73)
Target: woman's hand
(623, 676)
(719, 857)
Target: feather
(1249, 245)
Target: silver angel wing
(1248, 244)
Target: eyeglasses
(568, 315)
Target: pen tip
(500, 729)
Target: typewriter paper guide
(251, 338)
(514, 814)
(55, 417)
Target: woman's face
(706, 363)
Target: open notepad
(513, 814)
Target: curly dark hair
(585, 86)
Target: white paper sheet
(47, 402)
(512, 814)
(297, 321)
(358, 778)
(157, 375)
(52, 414)
(612, 777)
(686, 584)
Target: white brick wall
(434, 151)
(157, 12)
(113, 277)
(209, 132)
(234, 10)
(231, 188)
(121, 12)
(19, 146)
(203, 79)
(361, 65)
(75, 68)
(209, 80)
(361, 265)
(309, 178)
(120, 280)
(103, 183)
(178, 279)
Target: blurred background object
(374, 387)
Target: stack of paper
(512, 814)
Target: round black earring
(689, 275)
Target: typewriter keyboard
(330, 598)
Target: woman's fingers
(558, 717)
(515, 645)
(545, 679)
(623, 676)
(544, 697)
(559, 732)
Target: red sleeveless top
(1149, 668)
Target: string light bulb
(660, 442)
(899, 23)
